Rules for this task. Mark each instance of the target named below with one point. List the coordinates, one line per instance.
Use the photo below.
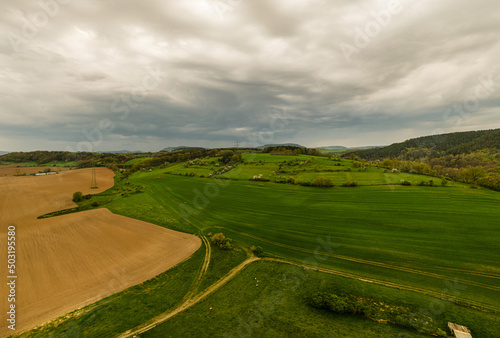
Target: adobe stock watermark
(471, 104)
(435, 307)
(363, 36)
(224, 7)
(201, 197)
(11, 276)
(123, 106)
(32, 24)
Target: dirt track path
(196, 299)
(204, 268)
(193, 300)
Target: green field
(418, 235)
(277, 307)
(425, 242)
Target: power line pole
(93, 183)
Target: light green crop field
(301, 167)
(414, 244)
(416, 236)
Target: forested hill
(436, 145)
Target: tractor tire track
(372, 263)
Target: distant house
(459, 331)
(43, 174)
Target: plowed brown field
(66, 262)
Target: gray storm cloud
(146, 75)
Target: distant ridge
(333, 147)
(121, 152)
(182, 148)
(346, 148)
(448, 144)
(280, 145)
(4, 152)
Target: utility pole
(93, 184)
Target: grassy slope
(265, 164)
(278, 307)
(139, 159)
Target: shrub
(441, 333)
(371, 308)
(94, 204)
(257, 250)
(350, 184)
(405, 183)
(322, 182)
(77, 196)
(222, 241)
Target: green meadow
(416, 236)
(278, 306)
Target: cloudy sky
(144, 75)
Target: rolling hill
(437, 145)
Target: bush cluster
(350, 184)
(370, 308)
(222, 242)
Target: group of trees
(436, 146)
(291, 150)
(222, 242)
(477, 175)
(40, 157)
(469, 157)
(231, 157)
(377, 310)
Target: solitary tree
(218, 239)
(77, 196)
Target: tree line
(469, 157)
